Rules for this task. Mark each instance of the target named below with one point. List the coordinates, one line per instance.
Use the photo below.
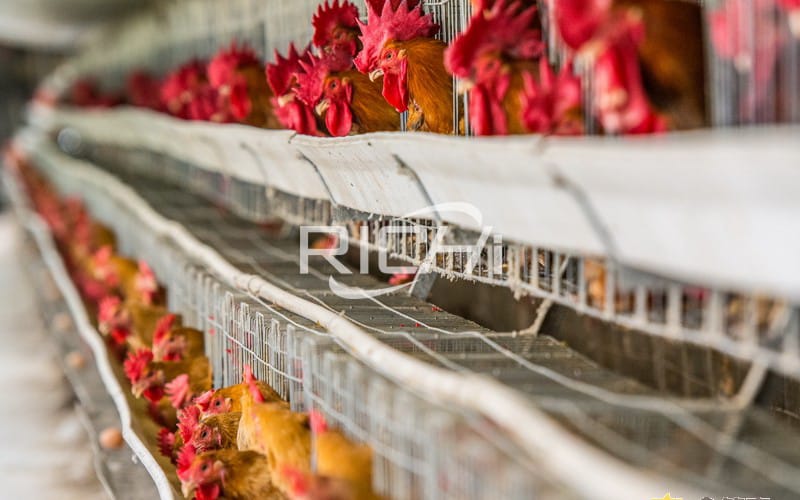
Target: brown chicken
(216, 432)
(229, 399)
(230, 474)
(347, 100)
(175, 343)
(243, 93)
(276, 432)
(338, 457)
(398, 45)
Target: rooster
(348, 101)
(182, 90)
(631, 45)
(498, 47)
(275, 431)
(553, 104)
(291, 112)
(230, 474)
(398, 45)
(336, 28)
(242, 92)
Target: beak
(285, 99)
(322, 106)
(464, 86)
(137, 390)
(188, 488)
(374, 75)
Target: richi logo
(338, 242)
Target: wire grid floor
(756, 455)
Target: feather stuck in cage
(399, 46)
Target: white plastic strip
(550, 445)
(52, 259)
(717, 208)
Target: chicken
(216, 432)
(498, 47)
(182, 89)
(291, 112)
(86, 93)
(552, 105)
(348, 101)
(144, 90)
(303, 486)
(276, 432)
(172, 342)
(339, 458)
(631, 44)
(229, 399)
(230, 474)
(242, 91)
(398, 45)
(178, 380)
(336, 28)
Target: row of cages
(741, 323)
(421, 449)
(751, 67)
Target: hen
(398, 45)
(230, 474)
(273, 430)
(182, 89)
(229, 399)
(339, 458)
(217, 431)
(348, 101)
(491, 56)
(178, 380)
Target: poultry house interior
(400, 249)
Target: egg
(111, 438)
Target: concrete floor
(45, 451)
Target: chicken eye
(388, 56)
(204, 434)
(204, 467)
(218, 403)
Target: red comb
(579, 20)
(178, 391)
(546, 102)
(505, 29)
(166, 443)
(145, 282)
(143, 90)
(311, 81)
(203, 401)
(180, 86)
(226, 62)
(329, 17)
(163, 326)
(282, 73)
(317, 421)
(107, 310)
(401, 22)
(185, 459)
(187, 421)
(255, 392)
(136, 363)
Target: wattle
(395, 90)
(487, 115)
(339, 119)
